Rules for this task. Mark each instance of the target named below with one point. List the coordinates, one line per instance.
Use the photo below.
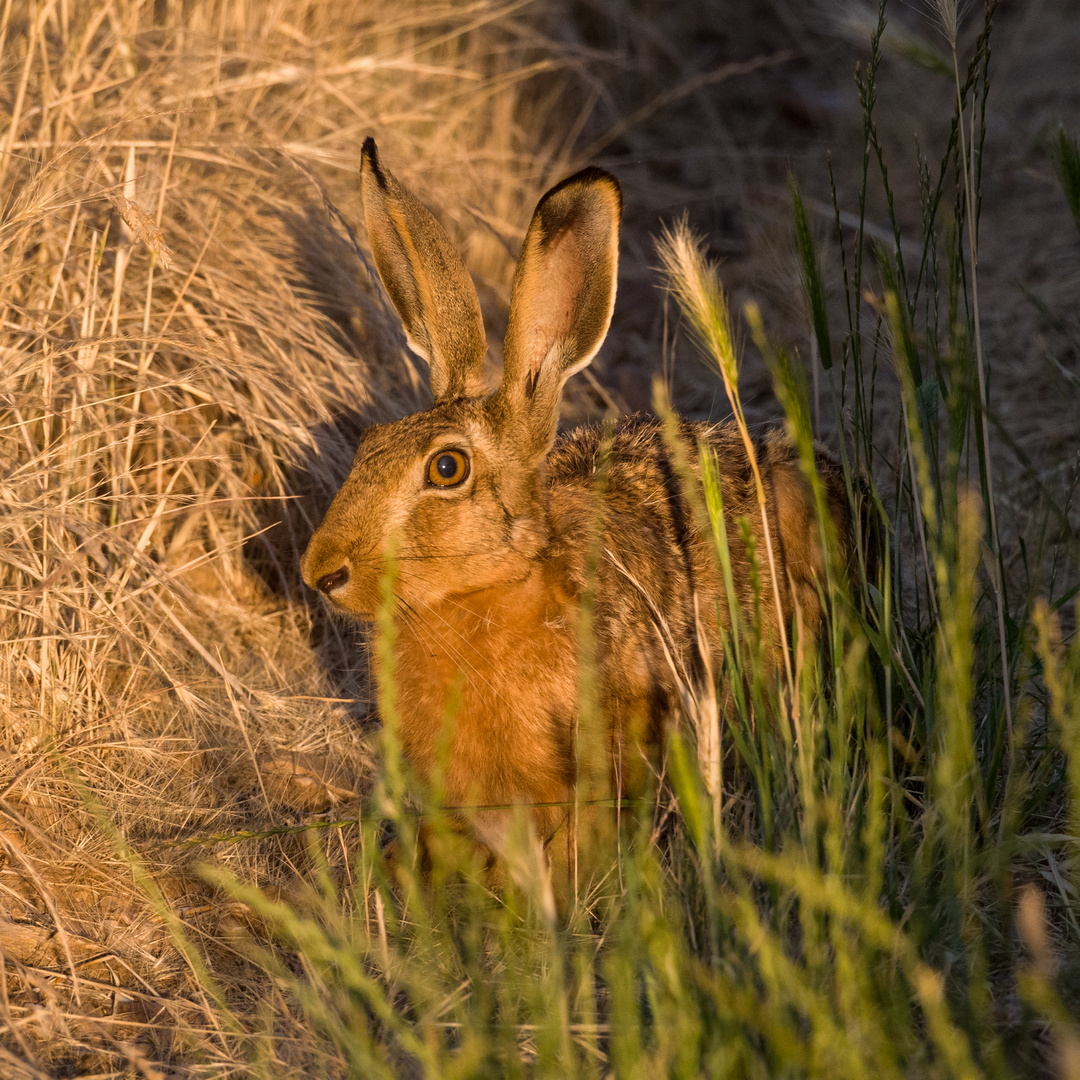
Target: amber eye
(448, 468)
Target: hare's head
(457, 493)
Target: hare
(490, 517)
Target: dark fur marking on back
(678, 513)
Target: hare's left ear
(426, 280)
(561, 301)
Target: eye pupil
(448, 468)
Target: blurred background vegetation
(191, 335)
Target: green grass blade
(812, 284)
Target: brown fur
(491, 573)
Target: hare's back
(652, 531)
(655, 555)
(639, 468)
(635, 464)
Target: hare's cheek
(527, 537)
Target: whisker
(448, 555)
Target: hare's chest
(491, 682)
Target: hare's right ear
(561, 301)
(426, 280)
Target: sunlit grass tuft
(868, 870)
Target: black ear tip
(369, 152)
(593, 174)
(602, 176)
(591, 177)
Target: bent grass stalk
(695, 284)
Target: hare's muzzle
(325, 566)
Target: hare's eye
(448, 468)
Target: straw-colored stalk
(694, 281)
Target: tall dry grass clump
(189, 336)
(870, 865)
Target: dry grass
(190, 337)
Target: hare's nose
(329, 582)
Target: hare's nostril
(329, 582)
